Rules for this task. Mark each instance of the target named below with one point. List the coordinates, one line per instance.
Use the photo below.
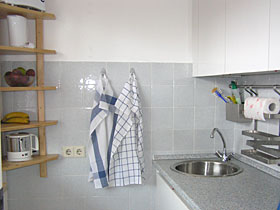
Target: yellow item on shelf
(15, 115)
(17, 120)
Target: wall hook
(255, 93)
(248, 91)
(103, 72)
(276, 91)
(132, 71)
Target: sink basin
(207, 168)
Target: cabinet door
(247, 35)
(211, 38)
(165, 197)
(274, 45)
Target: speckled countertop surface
(252, 189)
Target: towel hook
(255, 93)
(103, 72)
(275, 90)
(132, 72)
(248, 91)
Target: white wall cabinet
(236, 36)
(210, 37)
(274, 45)
(165, 197)
(247, 35)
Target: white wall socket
(73, 151)
(68, 151)
(79, 151)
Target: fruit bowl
(19, 77)
(19, 80)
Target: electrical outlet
(79, 151)
(68, 151)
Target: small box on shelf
(234, 113)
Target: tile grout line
(173, 102)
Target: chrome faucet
(222, 155)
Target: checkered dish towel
(127, 157)
(102, 125)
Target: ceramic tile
(162, 74)
(145, 96)
(47, 204)
(137, 195)
(220, 117)
(88, 96)
(69, 166)
(183, 96)
(53, 99)
(162, 118)
(52, 187)
(143, 72)
(162, 96)
(204, 117)
(202, 142)
(25, 99)
(105, 203)
(202, 92)
(162, 140)
(72, 74)
(72, 97)
(183, 141)
(147, 125)
(73, 203)
(118, 74)
(8, 102)
(53, 73)
(73, 186)
(183, 118)
(183, 74)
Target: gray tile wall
(179, 113)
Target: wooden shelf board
(6, 9)
(7, 165)
(10, 50)
(33, 124)
(33, 88)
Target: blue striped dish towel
(127, 156)
(102, 125)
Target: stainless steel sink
(207, 168)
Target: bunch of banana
(16, 117)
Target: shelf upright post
(40, 94)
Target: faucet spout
(223, 155)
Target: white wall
(123, 30)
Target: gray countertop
(252, 189)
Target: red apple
(30, 72)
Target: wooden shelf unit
(39, 51)
(10, 50)
(33, 124)
(33, 88)
(36, 159)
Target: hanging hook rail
(258, 86)
(249, 88)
